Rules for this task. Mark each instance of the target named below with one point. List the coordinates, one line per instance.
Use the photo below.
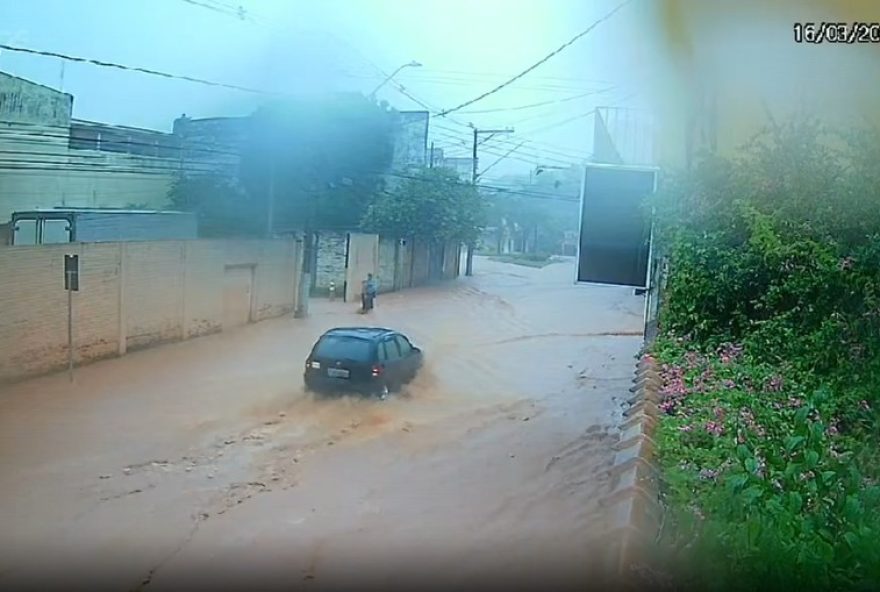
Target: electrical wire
(105, 64)
(501, 158)
(536, 64)
(540, 104)
(534, 156)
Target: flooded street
(204, 464)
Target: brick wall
(131, 295)
(330, 265)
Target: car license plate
(337, 373)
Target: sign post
(71, 284)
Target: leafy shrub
(770, 447)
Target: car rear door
(344, 357)
(394, 363)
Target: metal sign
(71, 273)
(615, 232)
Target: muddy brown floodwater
(203, 465)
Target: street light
(412, 64)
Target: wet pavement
(203, 464)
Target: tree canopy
(323, 159)
(433, 204)
(222, 207)
(326, 157)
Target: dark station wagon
(369, 361)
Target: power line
(539, 104)
(215, 7)
(508, 153)
(535, 157)
(149, 71)
(563, 122)
(536, 64)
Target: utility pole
(432, 156)
(469, 265)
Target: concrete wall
(363, 259)
(386, 272)
(410, 140)
(132, 295)
(420, 263)
(397, 267)
(451, 259)
(23, 101)
(48, 174)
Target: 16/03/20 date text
(830, 32)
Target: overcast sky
(297, 46)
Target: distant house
(51, 159)
(463, 166)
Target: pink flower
(774, 385)
(668, 406)
(693, 359)
(685, 428)
(729, 352)
(714, 428)
(708, 474)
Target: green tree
(325, 158)
(433, 204)
(222, 207)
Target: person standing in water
(370, 290)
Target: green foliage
(434, 205)
(326, 157)
(222, 207)
(769, 448)
(763, 474)
(778, 248)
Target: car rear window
(343, 348)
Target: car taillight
(377, 371)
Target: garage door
(237, 296)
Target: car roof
(361, 332)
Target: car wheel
(383, 392)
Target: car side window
(404, 345)
(382, 352)
(391, 349)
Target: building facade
(49, 159)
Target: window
(55, 231)
(391, 349)
(383, 352)
(341, 347)
(25, 232)
(404, 345)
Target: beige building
(49, 159)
